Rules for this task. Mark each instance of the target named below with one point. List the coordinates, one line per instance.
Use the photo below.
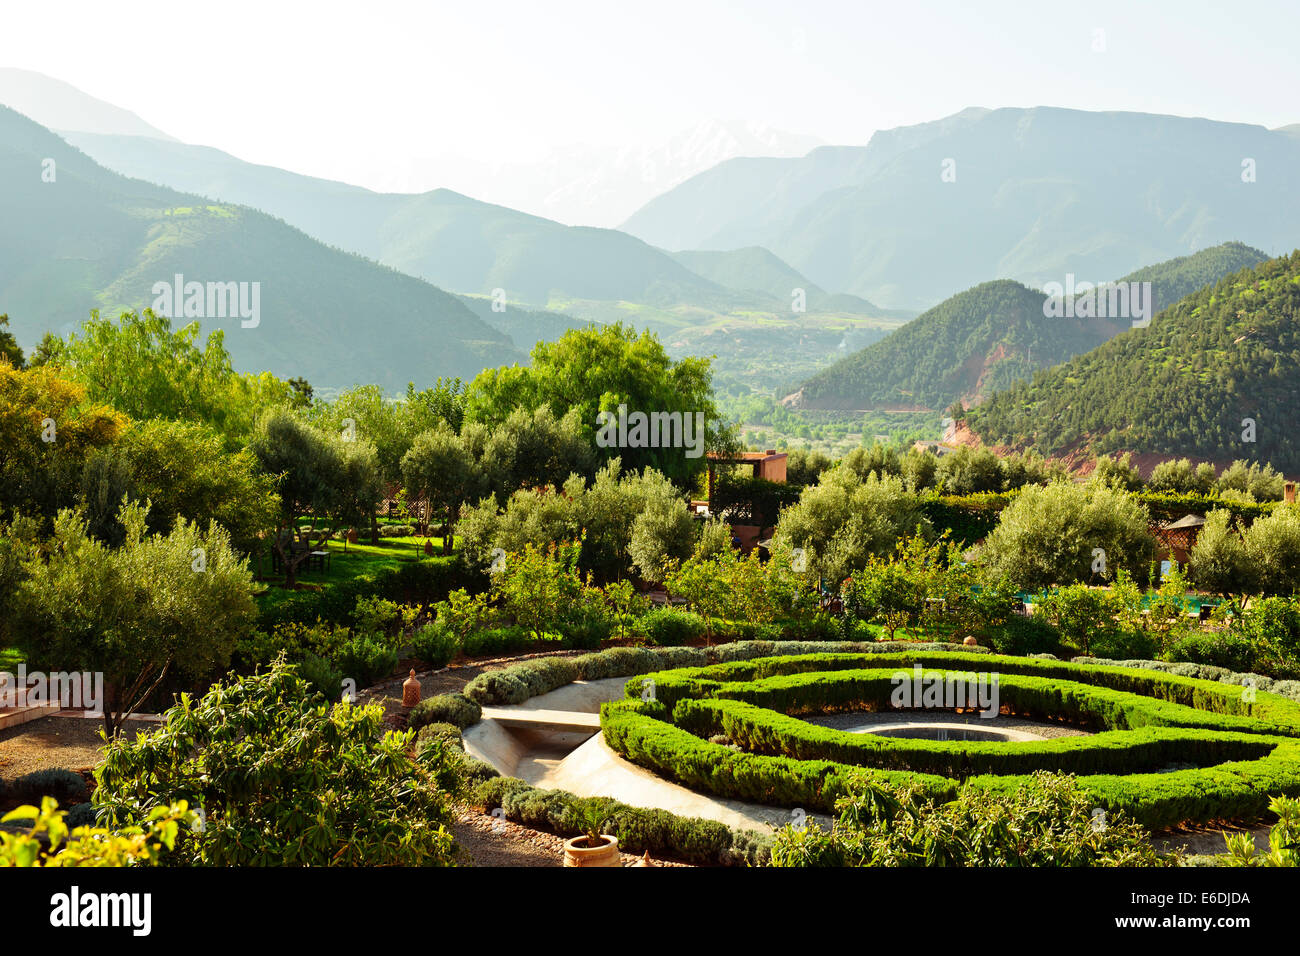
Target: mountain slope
(59, 106)
(1034, 194)
(453, 241)
(94, 239)
(757, 271)
(986, 338)
(1182, 386)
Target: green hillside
(441, 236)
(92, 239)
(1179, 387)
(987, 338)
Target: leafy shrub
(455, 709)
(514, 685)
(365, 660)
(447, 733)
(53, 841)
(503, 640)
(435, 644)
(81, 815)
(65, 786)
(332, 787)
(321, 676)
(1046, 822)
(1220, 650)
(1283, 839)
(1023, 635)
(1124, 642)
(1273, 625)
(587, 625)
(670, 627)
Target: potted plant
(591, 847)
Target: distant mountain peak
(61, 106)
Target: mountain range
(78, 237)
(925, 211)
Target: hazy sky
(346, 89)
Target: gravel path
(487, 841)
(69, 742)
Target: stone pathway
(488, 841)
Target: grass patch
(359, 560)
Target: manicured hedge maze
(1166, 749)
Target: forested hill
(988, 338)
(1182, 386)
(78, 237)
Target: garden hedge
(1237, 751)
(518, 682)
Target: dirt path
(69, 742)
(487, 841)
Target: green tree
(662, 535)
(598, 369)
(1058, 534)
(1272, 545)
(9, 350)
(844, 520)
(1218, 562)
(316, 474)
(48, 428)
(145, 369)
(440, 469)
(184, 471)
(157, 605)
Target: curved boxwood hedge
(1241, 750)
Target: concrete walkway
(553, 741)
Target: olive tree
(845, 520)
(159, 604)
(445, 473)
(1065, 533)
(1272, 545)
(1218, 562)
(318, 474)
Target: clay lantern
(410, 690)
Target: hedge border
(642, 731)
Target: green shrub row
(1267, 713)
(640, 731)
(519, 682)
(691, 839)
(1147, 749)
(1207, 724)
(1204, 671)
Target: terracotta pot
(577, 853)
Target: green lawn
(10, 658)
(359, 559)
